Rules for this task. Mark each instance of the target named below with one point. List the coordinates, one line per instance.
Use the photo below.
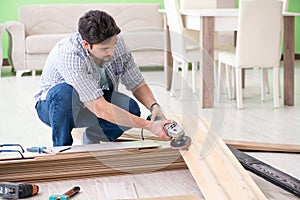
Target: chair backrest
(176, 29)
(259, 36)
(285, 5)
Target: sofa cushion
(42, 43)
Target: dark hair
(96, 26)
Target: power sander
(180, 140)
(9, 190)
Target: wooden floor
(258, 121)
(155, 184)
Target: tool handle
(27, 190)
(36, 149)
(72, 191)
(156, 118)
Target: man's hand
(157, 127)
(157, 112)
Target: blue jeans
(62, 111)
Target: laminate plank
(120, 190)
(263, 146)
(185, 197)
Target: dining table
(207, 21)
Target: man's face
(104, 51)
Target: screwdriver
(37, 149)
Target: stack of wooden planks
(90, 162)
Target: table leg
(208, 28)
(289, 60)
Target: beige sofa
(41, 26)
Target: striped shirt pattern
(69, 62)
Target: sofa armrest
(2, 28)
(16, 44)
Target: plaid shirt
(69, 62)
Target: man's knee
(63, 92)
(64, 96)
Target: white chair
(2, 28)
(259, 40)
(265, 71)
(184, 49)
(285, 6)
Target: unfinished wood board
(218, 174)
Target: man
(78, 86)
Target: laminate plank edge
(262, 146)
